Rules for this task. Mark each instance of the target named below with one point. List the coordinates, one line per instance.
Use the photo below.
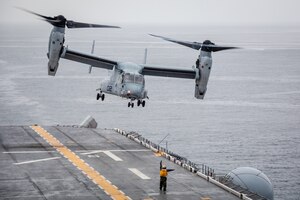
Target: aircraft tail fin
(93, 48)
(145, 56)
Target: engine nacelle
(202, 75)
(55, 49)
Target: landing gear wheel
(102, 97)
(138, 102)
(98, 96)
(130, 104)
(143, 103)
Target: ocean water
(250, 115)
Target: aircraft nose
(134, 91)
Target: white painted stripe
(33, 161)
(139, 173)
(28, 152)
(113, 156)
(117, 150)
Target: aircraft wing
(168, 72)
(88, 59)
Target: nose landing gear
(100, 95)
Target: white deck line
(11, 152)
(139, 173)
(116, 150)
(34, 161)
(113, 156)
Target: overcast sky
(173, 12)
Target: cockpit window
(129, 78)
(133, 78)
(138, 79)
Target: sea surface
(250, 115)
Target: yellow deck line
(91, 173)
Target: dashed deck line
(88, 171)
(112, 156)
(139, 173)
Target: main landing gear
(139, 102)
(100, 95)
(130, 104)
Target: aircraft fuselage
(126, 81)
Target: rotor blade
(193, 45)
(31, 12)
(197, 45)
(216, 48)
(60, 21)
(52, 21)
(73, 24)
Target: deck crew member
(163, 178)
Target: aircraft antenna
(163, 138)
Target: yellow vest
(163, 173)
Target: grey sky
(198, 12)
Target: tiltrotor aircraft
(127, 79)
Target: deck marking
(113, 156)
(28, 152)
(102, 151)
(139, 173)
(93, 156)
(79, 163)
(34, 161)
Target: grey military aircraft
(127, 80)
